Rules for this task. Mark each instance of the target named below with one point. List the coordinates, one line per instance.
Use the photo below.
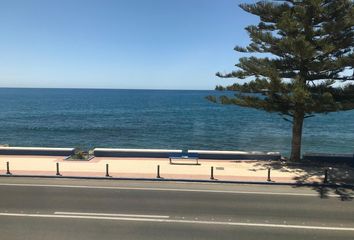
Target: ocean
(172, 119)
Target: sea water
(172, 119)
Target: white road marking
(111, 215)
(241, 224)
(166, 189)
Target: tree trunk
(298, 121)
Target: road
(91, 209)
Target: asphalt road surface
(97, 209)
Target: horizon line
(89, 88)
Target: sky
(120, 44)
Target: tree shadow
(340, 179)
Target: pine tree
(308, 64)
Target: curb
(330, 185)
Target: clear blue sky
(155, 44)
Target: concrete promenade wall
(123, 152)
(326, 157)
(236, 155)
(202, 154)
(36, 151)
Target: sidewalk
(226, 170)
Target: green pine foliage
(309, 62)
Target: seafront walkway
(227, 170)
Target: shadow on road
(307, 172)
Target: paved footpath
(147, 168)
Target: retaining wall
(326, 157)
(236, 155)
(36, 151)
(202, 154)
(123, 152)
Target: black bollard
(158, 172)
(8, 168)
(58, 173)
(325, 180)
(268, 179)
(212, 173)
(107, 173)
